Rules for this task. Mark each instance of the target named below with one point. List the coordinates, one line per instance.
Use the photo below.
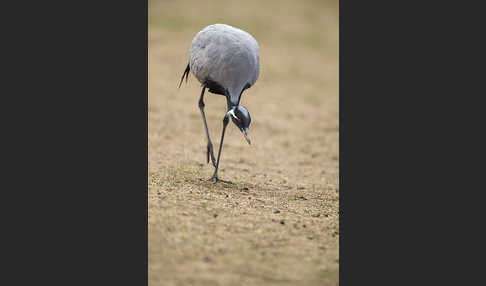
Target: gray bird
(226, 61)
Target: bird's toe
(214, 179)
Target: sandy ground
(277, 224)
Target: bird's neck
(231, 105)
(233, 96)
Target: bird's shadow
(221, 183)
(180, 176)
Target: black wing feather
(215, 87)
(186, 74)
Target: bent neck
(231, 99)
(231, 105)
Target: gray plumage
(225, 60)
(226, 55)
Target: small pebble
(276, 211)
(282, 222)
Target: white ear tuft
(232, 112)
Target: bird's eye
(239, 120)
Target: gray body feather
(227, 56)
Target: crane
(226, 61)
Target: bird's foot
(215, 179)
(209, 152)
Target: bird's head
(241, 118)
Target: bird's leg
(215, 178)
(209, 150)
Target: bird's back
(227, 56)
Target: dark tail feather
(186, 74)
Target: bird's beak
(247, 136)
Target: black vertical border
(406, 101)
(75, 189)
